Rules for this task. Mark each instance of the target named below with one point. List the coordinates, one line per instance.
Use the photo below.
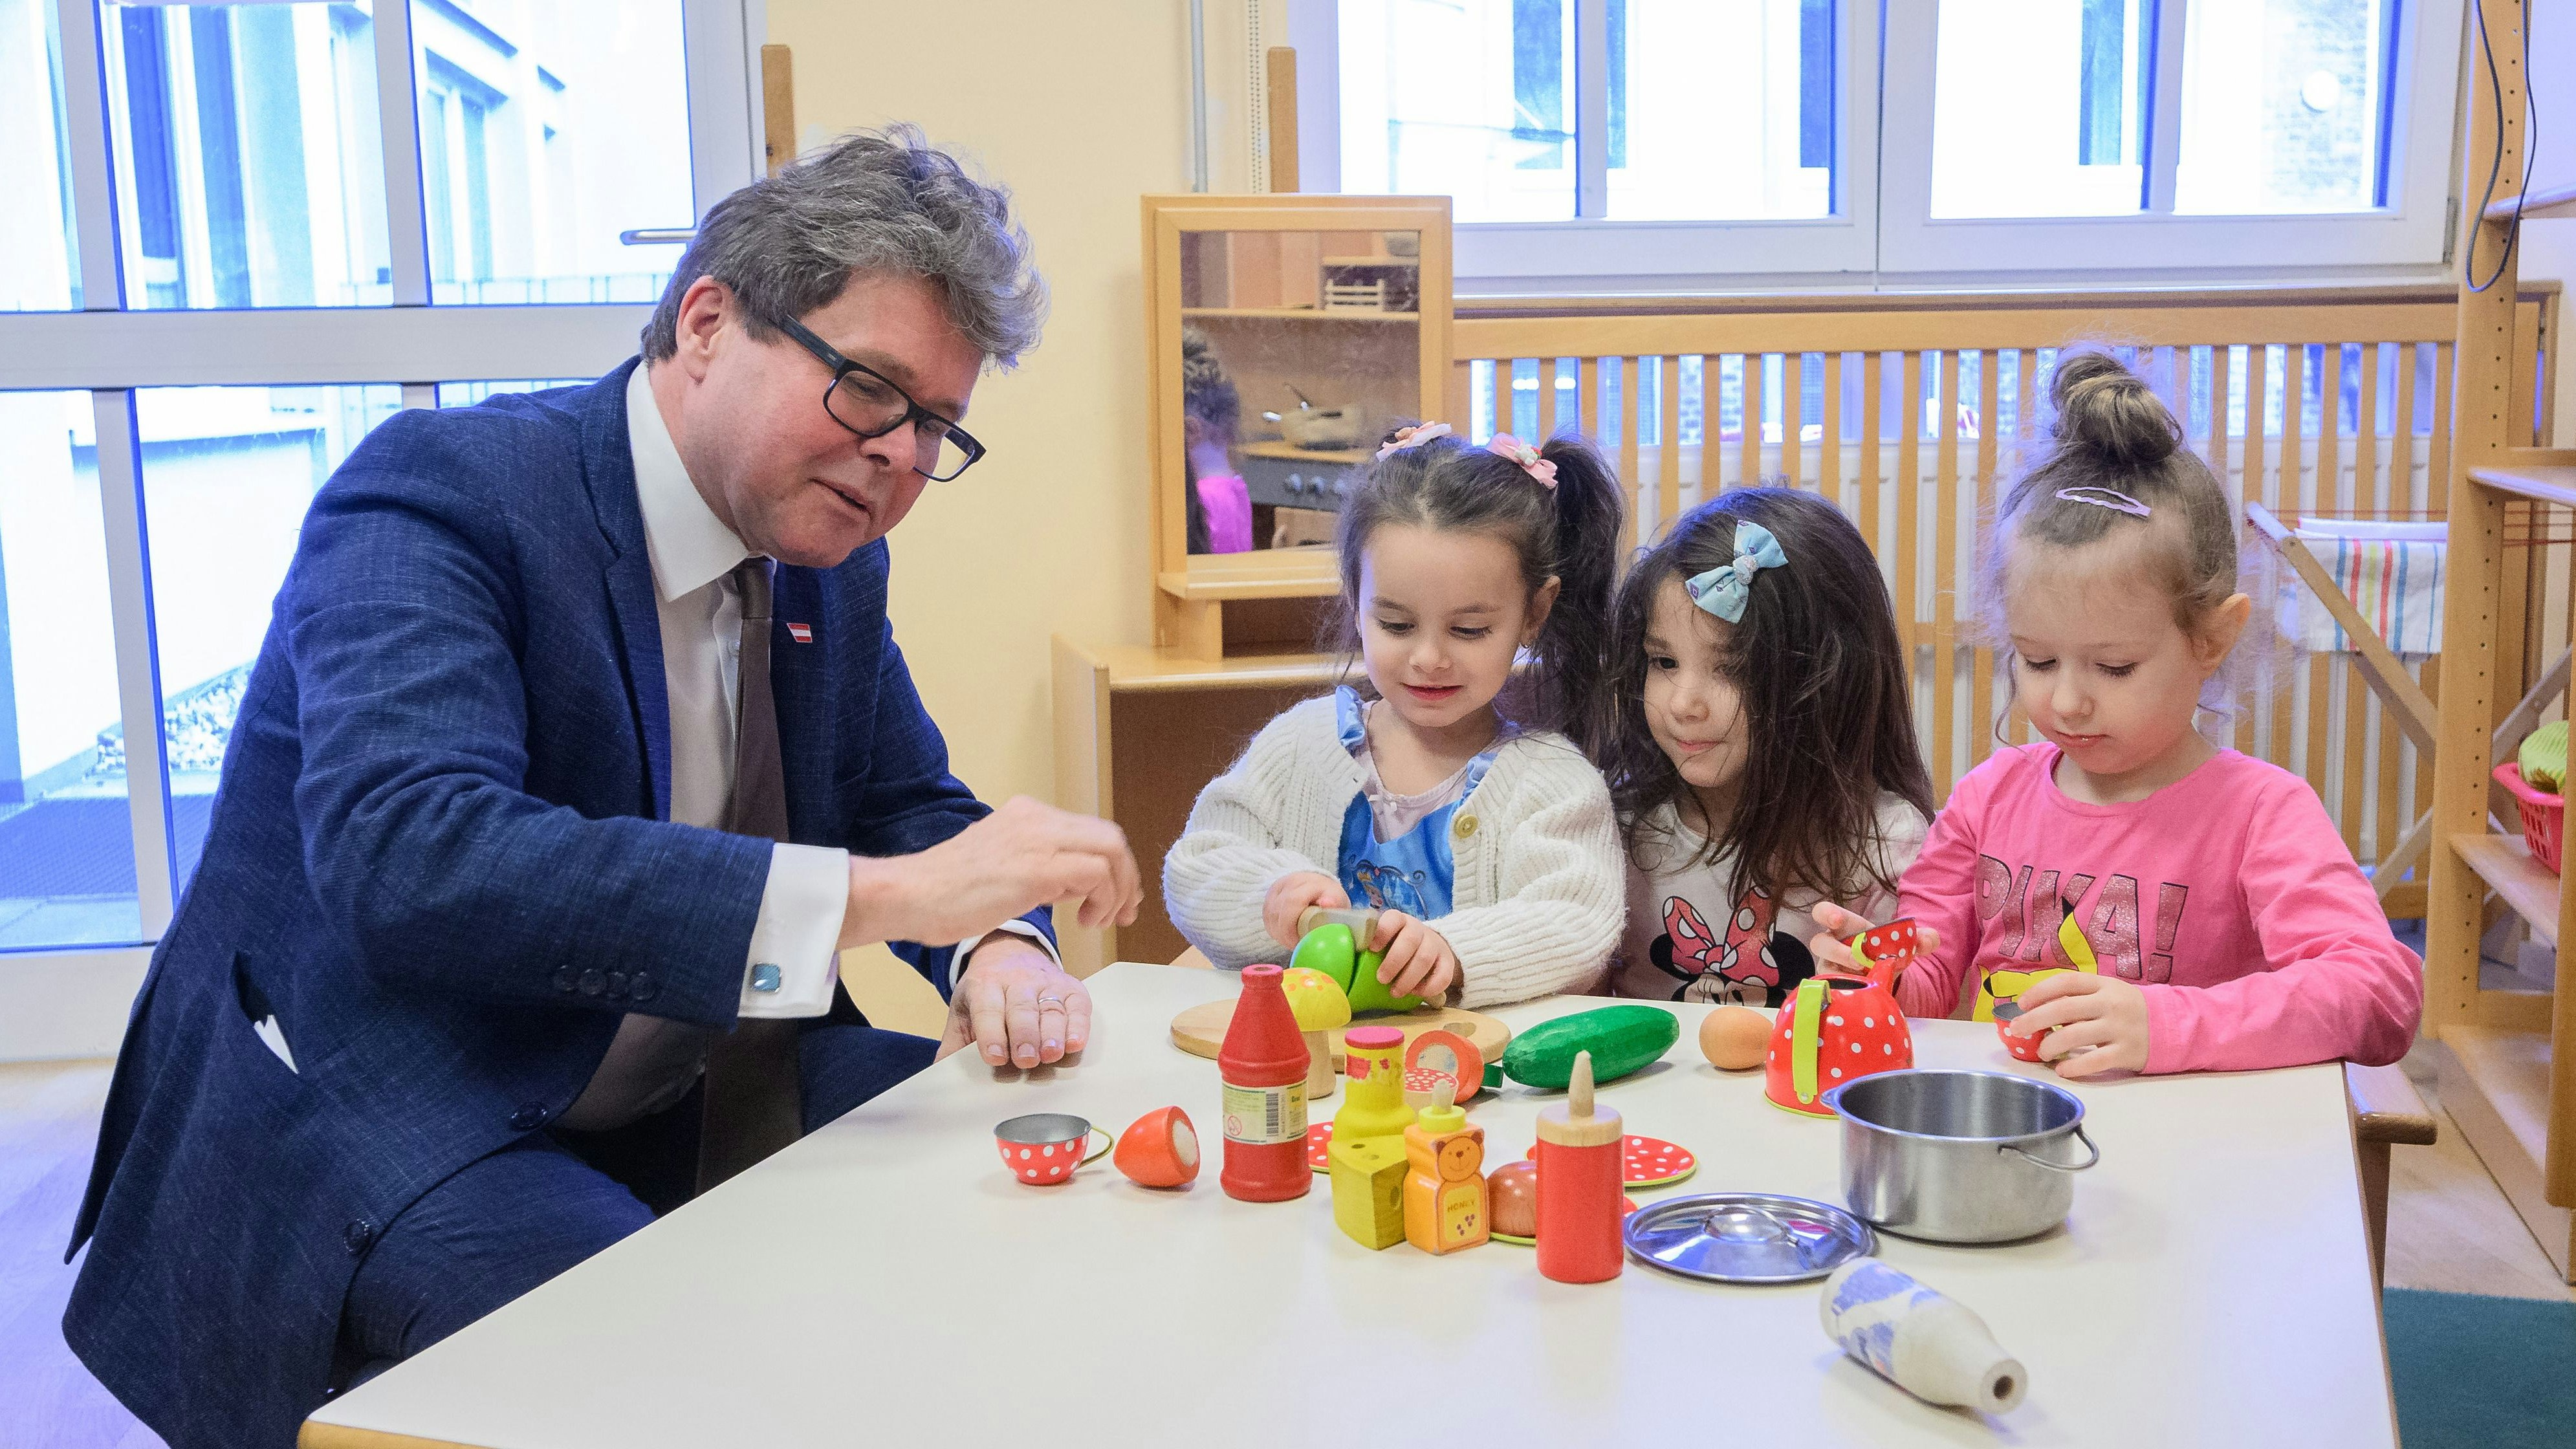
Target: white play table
(884, 1282)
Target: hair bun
(2109, 411)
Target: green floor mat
(2482, 1373)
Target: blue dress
(1415, 872)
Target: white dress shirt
(693, 556)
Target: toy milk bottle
(1263, 1066)
(1374, 1106)
(1444, 1196)
(1579, 1171)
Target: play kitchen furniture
(887, 1272)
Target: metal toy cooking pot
(1960, 1157)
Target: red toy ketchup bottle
(1579, 1183)
(1263, 1065)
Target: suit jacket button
(616, 983)
(529, 1117)
(563, 978)
(593, 981)
(358, 1234)
(640, 986)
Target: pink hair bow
(1506, 446)
(1414, 437)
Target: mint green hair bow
(1722, 590)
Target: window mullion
(2164, 105)
(138, 663)
(93, 171)
(398, 116)
(1591, 108)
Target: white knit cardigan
(1538, 903)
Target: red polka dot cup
(1043, 1148)
(2023, 1048)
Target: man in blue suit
(578, 747)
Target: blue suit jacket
(441, 855)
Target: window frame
(1504, 258)
(72, 1001)
(1883, 233)
(2407, 236)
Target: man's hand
(1018, 858)
(1017, 1005)
(2079, 1010)
(1289, 897)
(1419, 960)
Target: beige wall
(1079, 109)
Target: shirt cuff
(958, 953)
(795, 944)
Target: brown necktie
(753, 1101)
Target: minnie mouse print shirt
(1698, 933)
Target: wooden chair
(2386, 1112)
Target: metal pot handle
(2057, 1166)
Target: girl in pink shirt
(2231, 928)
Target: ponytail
(1589, 511)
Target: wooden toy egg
(1733, 1038)
(1513, 1193)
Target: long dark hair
(1827, 702)
(1569, 532)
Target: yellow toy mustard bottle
(1444, 1194)
(1373, 1103)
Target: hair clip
(1505, 445)
(2110, 498)
(1413, 437)
(1723, 589)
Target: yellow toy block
(1368, 1190)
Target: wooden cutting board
(1200, 1031)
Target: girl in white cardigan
(1488, 843)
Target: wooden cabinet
(1325, 319)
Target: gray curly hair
(876, 201)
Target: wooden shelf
(1302, 314)
(1291, 453)
(2535, 205)
(2504, 862)
(1138, 668)
(1264, 573)
(2495, 1084)
(2545, 483)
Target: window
(265, 272)
(543, 140)
(67, 859)
(1662, 142)
(36, 227)
(248, 158)
(227, 472)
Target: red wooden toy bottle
(1579, 1162)
(1263, 1065)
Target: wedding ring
(1055, 1001)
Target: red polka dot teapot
(1831, 1030)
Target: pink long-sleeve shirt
(2226, 896)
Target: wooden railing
(2311, 401)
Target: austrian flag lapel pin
(801, 633)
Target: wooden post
(777, 107)
(1282, 66)
(2482, 388)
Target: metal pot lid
(1747, 1237)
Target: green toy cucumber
(1622, 1040)
(1332, 950)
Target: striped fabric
(2392, 572)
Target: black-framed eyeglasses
(869, 404)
